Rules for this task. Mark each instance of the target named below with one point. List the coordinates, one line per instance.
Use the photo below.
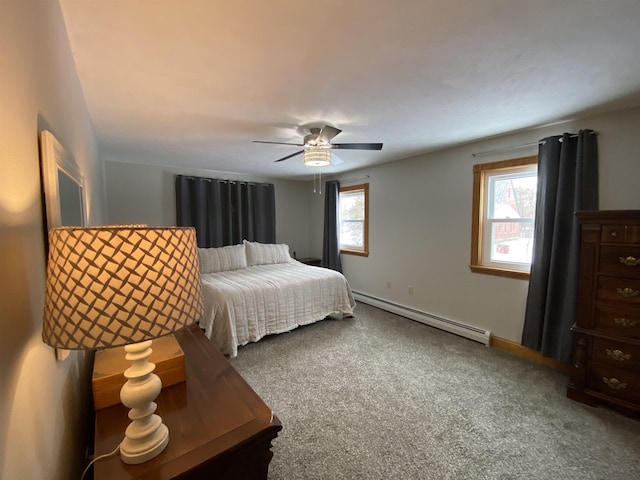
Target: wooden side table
(218, 426)
(311, 261)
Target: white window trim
(487, 223)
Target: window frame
(364, 187)
(480, 171)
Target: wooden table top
(210, 414)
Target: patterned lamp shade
(111, 286)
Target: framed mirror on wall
(63, 192)
(63, 183)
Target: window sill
(499, 272)
(354, 252)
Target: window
(354, 219)
(504, 204)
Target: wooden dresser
(607, 329)
(218, 426)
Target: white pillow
(221, 259)
(266, 253)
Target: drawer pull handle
(614, 383)
(625, 322)
(614, 234)
(618, 355)
(630, 261)
(628, 292)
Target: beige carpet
(382, 397)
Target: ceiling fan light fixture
(316, 146)
(317, 157)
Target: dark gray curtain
(567, 182)
(330, 242)
(226, 212)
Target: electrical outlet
(388, 284)
(410, 289)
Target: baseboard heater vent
(468, 331)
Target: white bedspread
(242, 306)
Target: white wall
(45, 407)
(146, 194)
(420, 224)
(420, 219)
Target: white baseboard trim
(468, 331)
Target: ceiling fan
(320, 139)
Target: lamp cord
(110, 454)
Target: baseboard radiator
(468, 331)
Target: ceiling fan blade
(336, 160)
(279, 143)
(357, 146)
(327, 133)
(289, 156)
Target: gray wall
(420, 219)
(146, 194)
(420, 224)
(45, 405)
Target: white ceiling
(190, 83)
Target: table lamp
(113, 286)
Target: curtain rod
(516, 147)
(507, 149)
(353, 179)
(224, 180)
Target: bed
(252, 290)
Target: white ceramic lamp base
(146, 436)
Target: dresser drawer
(624, 290)
(615, 382)
(622, 321)
(620, 261)
(617, 354)
(620, 233)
